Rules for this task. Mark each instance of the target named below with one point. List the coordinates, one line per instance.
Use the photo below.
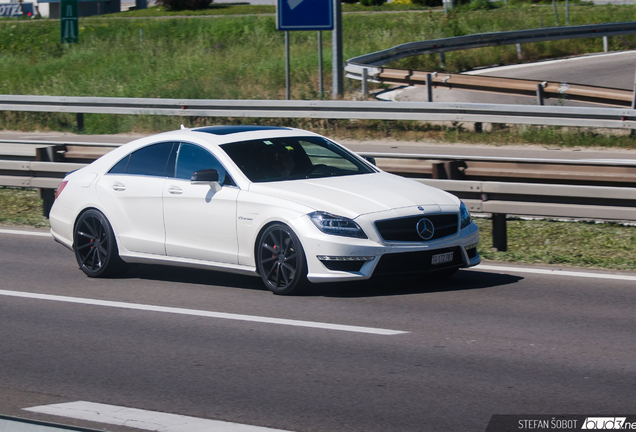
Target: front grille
(416, 262)
(405, 229)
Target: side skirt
(135, 258)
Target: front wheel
(95, 246)
(280, 260)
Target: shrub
(372, 2)
(481, 4)
(177, 5)
(429, 3)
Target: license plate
(442, 258)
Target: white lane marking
(142, 419)
(555, 272)
(203, 313)
(26, 233)
(543, 63)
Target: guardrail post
(80, 121)
(48, 196)
(429, 87)
(519, 52)
(605, 44)
(365, 83)
(451, 170)
(540, 94)
(442, 60)
(499, 232)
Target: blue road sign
(304, 15)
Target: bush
(177, 5)
(429, 3)
(481, 4)
(372, 2)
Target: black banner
(561, 423)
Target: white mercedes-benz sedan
(286, 204)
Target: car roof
(219, 135)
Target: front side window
(278, 159)
(191, 158)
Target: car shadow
(406, 285)
(377, 286)
(186, 275)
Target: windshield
(277, 159)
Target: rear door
(132, 192)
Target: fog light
(472, 246)
(351, 264)
(345, 258)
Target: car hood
(356, 195)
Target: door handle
(119, 187)
(175, 191)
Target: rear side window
(153, 160)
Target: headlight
(336, 225)
(465, 215)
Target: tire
(280, 260)
(95, 246)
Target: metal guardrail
(370, 66)
(457, 167)
(511, 86)
(616, 118)
(354, 66)
(538, 170)
(474, 179)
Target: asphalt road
(490, 341)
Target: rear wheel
(280, 260)
(95, 246)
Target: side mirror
(205, 176)
(369, 159)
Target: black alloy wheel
(280, 260)
(95, 246)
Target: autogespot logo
(606, 423)
(425, 229)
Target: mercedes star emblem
(425, 229)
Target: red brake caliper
(274, 256)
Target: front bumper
(334, 258)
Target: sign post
(303, 15)
(337, 59)
(69, 25)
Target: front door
(200, 219)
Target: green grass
(21, 207)
(578, 244)
(225, 56)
